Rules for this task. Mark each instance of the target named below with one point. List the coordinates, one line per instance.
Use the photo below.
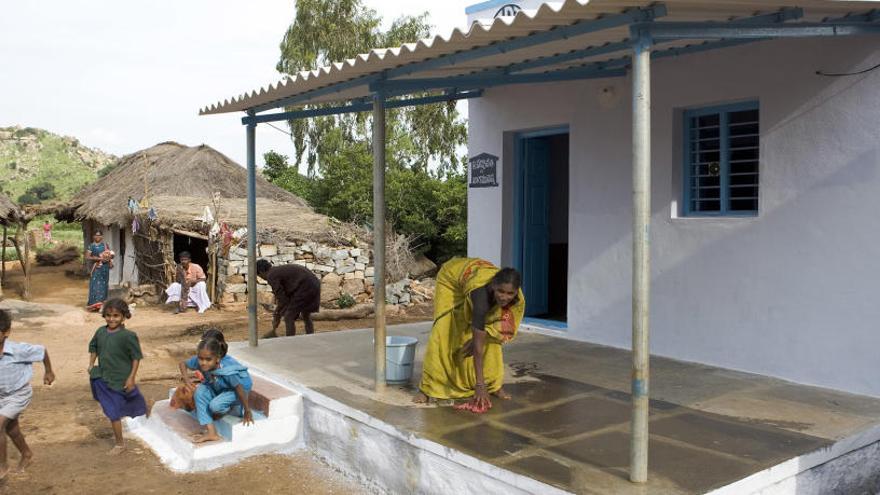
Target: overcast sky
(122, 76)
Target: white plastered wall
(790, 293)
(129, 267)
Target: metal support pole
(252, 232)
(641, 255)
(3, 261)
(379, 235)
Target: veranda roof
(552, 39)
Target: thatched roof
(276, 221)
(9, 211)
(167, 169)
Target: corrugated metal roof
(526, 22)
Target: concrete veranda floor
(568, 422)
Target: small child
(225, 387)
(16, 370)
(113, 379)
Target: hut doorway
(197, 248)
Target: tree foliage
(38, 193)
(425, 190)
(275, 165)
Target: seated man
(190, 289)
(297, 294)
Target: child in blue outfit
(16, 370)
(225, 387)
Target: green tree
(327, 31)
(275, 165)
(425, 190)
(38, 193)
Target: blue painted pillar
(252, 232)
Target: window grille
(721, 160)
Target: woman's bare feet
(4, 471)
(26, 460)
(501, 394)
(117, 449)
(421, 398)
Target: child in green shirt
(113, 380)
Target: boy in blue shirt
(16, 370)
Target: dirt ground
(70, 436)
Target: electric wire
(843, 74)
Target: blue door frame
(520, 230)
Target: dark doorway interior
(198, 249)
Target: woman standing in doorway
(477, 308)
(101, 260)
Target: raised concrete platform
(277, 412)
(566, 429)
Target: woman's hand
(480, 403)
(248, 418)
(129, 384)
(48, 377)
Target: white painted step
(278, 424)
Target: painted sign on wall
(484, 170)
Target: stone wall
(342, 270)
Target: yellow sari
(447, 373)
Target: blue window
(721, 160)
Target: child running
(225, 388)
(113, 379)
(16, 370)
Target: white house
(762, 118)
(765, 215)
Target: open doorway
(197, 248)
(543, 197)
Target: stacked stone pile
(342, 270)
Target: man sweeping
(297, 293)
(189, 289)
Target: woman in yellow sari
(477, 308)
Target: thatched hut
(170, 198)
(10, 213)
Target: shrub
(345, 301)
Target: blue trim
(359, 106)
(470, 9)
(549, 131)
(736, 30)
(723, 111)
(540, 322)
(493, 78)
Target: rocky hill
(33, 157)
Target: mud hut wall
(129, 259)
(112, 235)
(342, 270)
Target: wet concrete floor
(568, 422)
